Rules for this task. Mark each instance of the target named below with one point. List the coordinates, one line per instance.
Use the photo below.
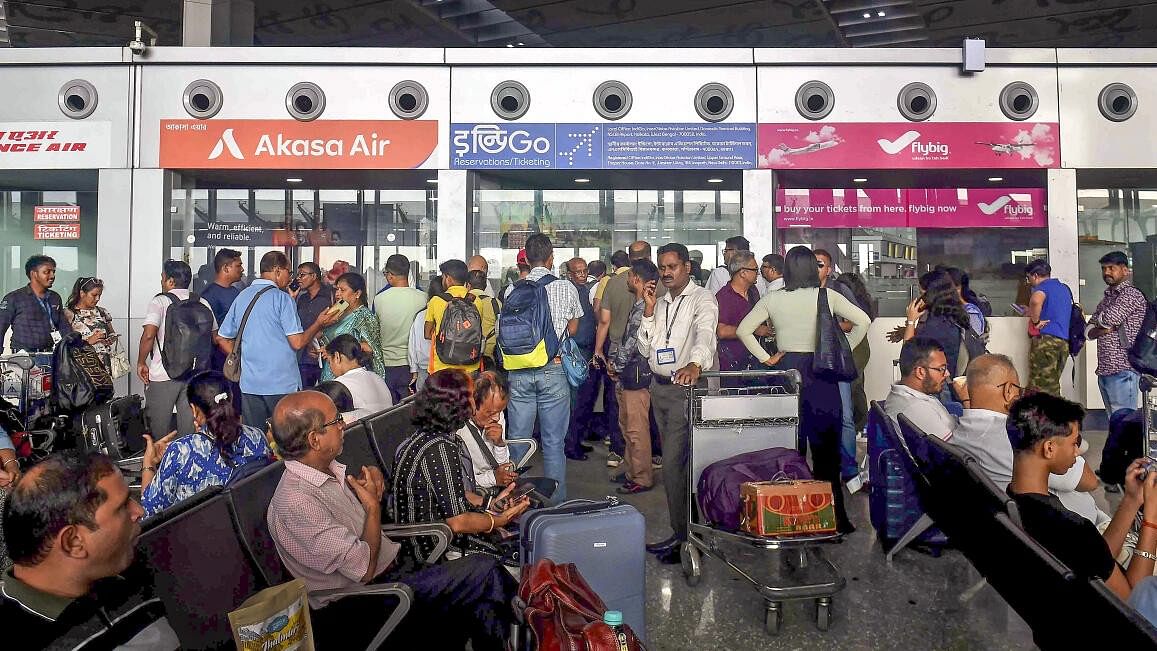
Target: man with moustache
(1115, 325)
(677, 335)
(34, 312)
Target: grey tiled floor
(913, 604)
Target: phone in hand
(295, 285)
(338, 307)
(1019, 309)
(518, 493)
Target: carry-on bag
(115, 428)
(605, 539)
(564, 611)
(718, 488)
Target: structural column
(759, 211)
(207, 23)
(1062, 214)
(455, 219)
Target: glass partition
(56, 223)
(338, 229)
(593, 223)
(1116, 219)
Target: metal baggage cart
(1148, 447)
(764, 413)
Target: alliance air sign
(289, 144)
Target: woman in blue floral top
(174, 468)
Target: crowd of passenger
(315, 356)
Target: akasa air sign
(289, 144)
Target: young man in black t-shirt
(1045, 432)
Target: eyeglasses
(943, 370)
(1018, 388)
(339, 420)
(756, 270)
(305, 273)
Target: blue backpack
(585, 335)
(526, 336)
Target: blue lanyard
(45, 305)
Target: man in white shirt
(677, 336)
(992, 387)
(163, 393)
(719, 275)
(771, 274)
(924, 370)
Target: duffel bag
(718, 490)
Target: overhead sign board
(56, 214)
(55, 145)
(289, 144)
(69, 231)
(602, 146)
(888, 145)
(911, 208)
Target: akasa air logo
(226, 141)
(910, 140)
(1004, 201)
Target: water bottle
(614, 619)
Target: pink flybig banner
(918, 208)
(889, 145)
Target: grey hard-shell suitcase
(605, 540)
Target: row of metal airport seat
(983, 522)
(206, 555)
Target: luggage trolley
(738, 420)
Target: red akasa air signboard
(289, 144)
(908, 145)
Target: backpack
(1076, 330)
(79, 376)
(972, 346)
(459, 338)
(187, 342)
(526, 336)
(1143, 352)
(585, 335)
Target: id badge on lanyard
(47, 307)
(666, 355)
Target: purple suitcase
(718, 490)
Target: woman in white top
(793, 314)
(347, 359)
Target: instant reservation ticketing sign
(602, 146)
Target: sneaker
(614, 460)
(656, 462)
(631, 488)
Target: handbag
(232, 368)
(559, 605)
(574, 362)
(833, 360)
(118, 362)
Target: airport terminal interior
(899, 142)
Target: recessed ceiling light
(996, 179)
(881, 14)
(867, 14)
(714, 180)
(510, 45)
(861, 180)
(293, 179)
(582, 180)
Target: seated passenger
(71, 526)
(993, 385)
(924, 371)
(326, 526)
(428, 485)
(483, 436)
(174, 468)
(342, 399)
(347, 360)
(1045, 432)
(9, 464)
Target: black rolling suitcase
(115, 428)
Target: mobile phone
(295, 285)
(338, 307)
(1019, 309)
(519, 493)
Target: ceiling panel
(621, 23)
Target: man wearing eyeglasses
(924, 370)
(992, 387)
(720, 276)
(735, 301)
(313, 297)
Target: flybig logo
(1005, 203)
(910, 141)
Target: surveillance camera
(137, 47)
